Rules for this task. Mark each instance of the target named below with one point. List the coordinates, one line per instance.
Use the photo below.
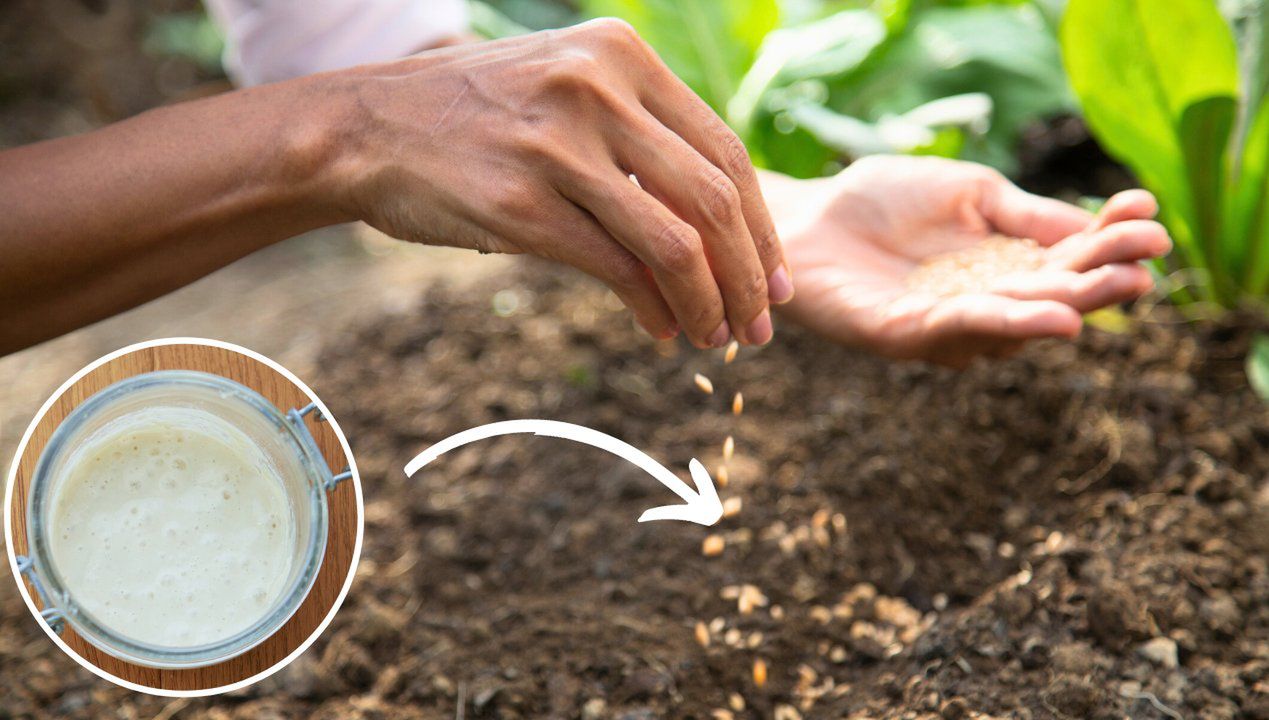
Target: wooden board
(343, 508)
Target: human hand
(527, 145)
(853, 241)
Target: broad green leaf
(1204, 130)
(1136, 69)
(708, 43)
(1258, 366)
(488, 22)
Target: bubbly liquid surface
(171, 527)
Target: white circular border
(8, 517)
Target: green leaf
(1205, 130)
(1258, 365)
(1136, 69)
(708, 43)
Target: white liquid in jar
(170, 526)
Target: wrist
(322, 144)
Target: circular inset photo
(184, 517)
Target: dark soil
(1014, 536)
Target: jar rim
(315, 470)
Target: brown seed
(722, 476)
(731, 507)
(702, 635)
(730, 354)
(713, 545)
(738, 404)
(703, 384)
(729, 447)
(759, 672)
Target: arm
(93, 224)
(520, 145)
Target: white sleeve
(270, 40)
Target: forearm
(97, 223)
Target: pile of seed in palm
(973, 269)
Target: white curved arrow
(702, 505)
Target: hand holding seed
(945, 261)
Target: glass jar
(283, 438)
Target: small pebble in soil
(713, 545)
(704, 384)
(972, 269)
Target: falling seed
(732, 349)
(731, 507)
(702, 635)
(713, 545)
(759, 672)
(738, 404)
(722, 476)
(703, 384)
(729, 447)
(736, 702)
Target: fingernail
(670, 332)
(719, 337)
(759, 331)
(779, 286)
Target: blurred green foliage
(189, 35)
(807, 83)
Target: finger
(596, 253)
(996, 317)
(1086, 292)
(674, 104)
(1125, 241)
(673, 172)
(1017, 213)
(669, 247)
(1127, 205)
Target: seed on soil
(972, 269)
(721, 476)
(713, 545)
(754, 640)
(732, 637)
(759, 672)
(777, 612)
(731, 507)
(730, 354)
(729, 447)
(750, 597)
(737, 404)
(736, 702)
(703, 384)
(786, 712)
(820, 518)
(702, 634)
(721, 714)
(839, 523)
